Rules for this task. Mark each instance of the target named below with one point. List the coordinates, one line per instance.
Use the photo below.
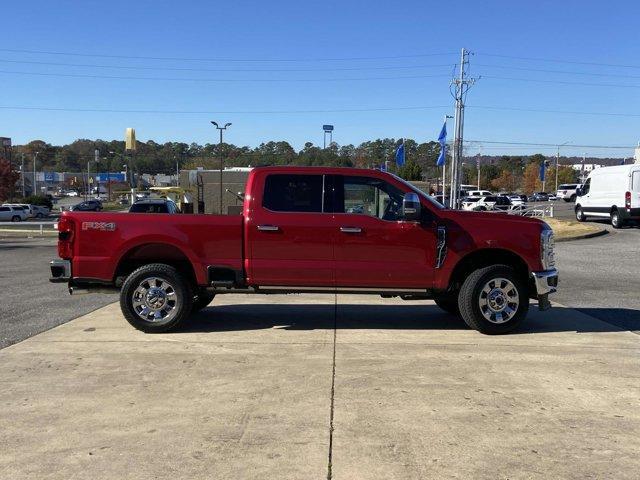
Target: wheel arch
(484, 258)
(154, 252)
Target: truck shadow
(225, 318)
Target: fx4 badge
(100, 226)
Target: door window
(371, 196)
(293, 193)
(635, 181)
(586, 186)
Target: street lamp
(34, 186)
(221, 161)
(558, 161)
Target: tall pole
(33, 188)
(444, 168)
(478, 165)
(221, 160)
(221, 167)
(462, 85)
(22, 171)
(558, 161)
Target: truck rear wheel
(493, 300)
(156, 298)
(201, 300)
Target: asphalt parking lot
(30, 303)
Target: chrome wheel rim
(499, 300)
(155, 300)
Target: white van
(610, 192)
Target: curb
(599, 233)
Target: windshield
(430, 199)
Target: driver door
(373, 246)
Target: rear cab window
(293, 193)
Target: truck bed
(103, 240)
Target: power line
(566, 72)
(208, 112)
(341, 110)
(563, 82)
(534, 144)
(259, 80)
(538, 59)
(222, 59)
(182, 69)
(564, 112)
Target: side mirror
(578, 191)
(411, 207)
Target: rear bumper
(60, 271)
(629, 214)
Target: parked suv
(12, 214)
(567, 191)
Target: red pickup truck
(315, 230)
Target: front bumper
(60, 271)
(546, 282)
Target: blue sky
(251, 45)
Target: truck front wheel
(156, 298)
(493, 300)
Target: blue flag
(442, 138)
(542, 171)
(400, 154)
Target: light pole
(558, 161)
(33, 187)
(22, 172)
(221, 161)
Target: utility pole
(462, 86)
(558, 161)
(22, 172)
(221, 161)
(33, 188)
(444, 167)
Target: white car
(567, 192)
(72, 193)
(12, 214)
(479, 193)
(516, 200)
(610, 192)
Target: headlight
(547, 257)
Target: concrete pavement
(245, 391)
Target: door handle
(350, 229)
(268, 228)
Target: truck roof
(317, 169)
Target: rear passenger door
(289, 237)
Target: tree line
(506, 172)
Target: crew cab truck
(315, 230)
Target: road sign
(327, 128)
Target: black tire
(179, 304)
(580, 216)
(448, 302)
(40, 215)
(616, 221)
(16, 218)
(471, 296)
(201, 300)
(572, 198)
